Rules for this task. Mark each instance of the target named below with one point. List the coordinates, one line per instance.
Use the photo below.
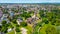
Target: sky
(29, 1)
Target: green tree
(23, 24)
(14, 21)
(4, 29)
(4, 22)
(25, 15)
(17, 29)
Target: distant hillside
(30, 3)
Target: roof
(1, 13)
(2, 33)
(29, 20)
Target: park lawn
(38, 21)
(36, 29)
(18, 32)
(38, 15)
(32, 14)
(23, 18)
(29, 28)
(42, 30)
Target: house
(2, 33)
(0, 24)
(35, 17)
(8, 21)
(4, 17)
(1, 13)
(32, 19)
(19, 20)
(11, 12)
(18, 13)
(29, 20)
(0, 20)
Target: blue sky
(29, 1)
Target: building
(10, 29)
(23, 31)
(11, 13)
(4, 17)
(1, 13)
(2, 33)
(19, 20)
(29, 20)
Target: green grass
(44, 28)
(12, 32)
(29, 28)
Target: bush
(17, 29)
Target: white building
(10, 29)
